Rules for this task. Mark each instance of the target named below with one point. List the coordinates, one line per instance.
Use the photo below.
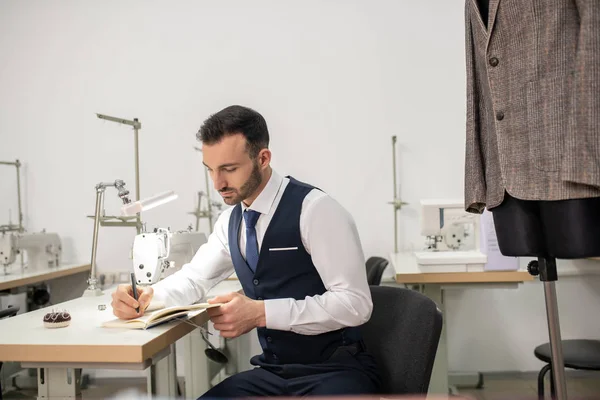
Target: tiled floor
(495, 388)
(505, 388)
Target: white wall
(334, 79)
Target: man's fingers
(126, 314)
(123, 311)
(229, 334)
(146, 293)
(119, 305)
(127, 299)
(145, 299)
(124, 304)
(224, 327)
(220, 319)
(123, 294)
(213, 312)
(130, 301)
(224, 298)
(126, 289)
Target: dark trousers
(349, 371)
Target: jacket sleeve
(475, 187)
(584, 167)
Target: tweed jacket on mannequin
(533, 101)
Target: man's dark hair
(236, 119)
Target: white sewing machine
(161, 253)
(452, 238)
(44, 250)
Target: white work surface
(408, 271)
(17, 276)
(85, 344)
(433, 284)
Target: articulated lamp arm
(128, 209)
(93, 289)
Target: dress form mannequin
(533, 134)
(566, 229)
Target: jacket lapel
(478, 16)
(492, 20)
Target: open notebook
(158, 317)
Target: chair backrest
(403, 335)
(9, 312)
(375, 267)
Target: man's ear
(264, 158)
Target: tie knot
(251, 216)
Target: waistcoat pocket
(293, 248)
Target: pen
(134, 289)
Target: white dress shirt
(329, 235)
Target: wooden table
(60, 354)
(18, 277)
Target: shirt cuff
(277, 314)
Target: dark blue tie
(250, 217)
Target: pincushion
(57, 319)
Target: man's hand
(124, 305)
(238, 315)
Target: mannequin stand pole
(546, 268)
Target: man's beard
(247, 189)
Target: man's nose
(219, 182)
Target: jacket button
(494, 61)
(255, 282)
(499, 115)
(274, 356)
(269, 339)
(259, 298)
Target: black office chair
(577, 354)
(375, 267)
(8, 312)
(403, 335)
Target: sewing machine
(44, 250)
(452, 238)
(161, 253)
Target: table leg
(59, 383)
(162, 379)
(232, 349)
(471, 380)
(196, 365)
(439, 376)
(239, 351)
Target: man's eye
(229, 169)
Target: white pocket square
(282, 248)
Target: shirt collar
(264, 201)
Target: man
(298, 256)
